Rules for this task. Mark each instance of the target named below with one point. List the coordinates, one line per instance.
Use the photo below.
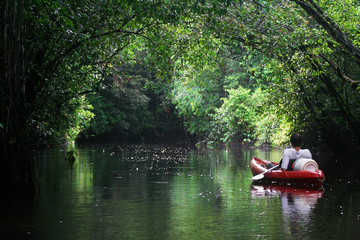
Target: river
(175, 192)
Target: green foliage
(62, 50)
(80, 120)
(66, 124)
(120, 109)
(196, 96)
(226, 103)
(131, 102)
(272, 126)
(238, 114)
(208, 58)
(312, 72)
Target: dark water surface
(173, 192)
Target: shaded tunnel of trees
(213, 71)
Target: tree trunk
(16, 173)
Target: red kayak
(296, 178)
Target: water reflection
(297, 205)
(172, 192)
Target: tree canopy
(218, 70)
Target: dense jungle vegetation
(216, 71)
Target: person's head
(296, 140)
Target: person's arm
(305, 153)
(310, 155)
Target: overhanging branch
(330, 26)
(340, 74)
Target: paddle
(261, 175)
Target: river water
(173, 192)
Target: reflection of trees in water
(297, 206)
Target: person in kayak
(290, 155)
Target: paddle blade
(258, 177)
(261, 175)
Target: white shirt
(291, 153)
